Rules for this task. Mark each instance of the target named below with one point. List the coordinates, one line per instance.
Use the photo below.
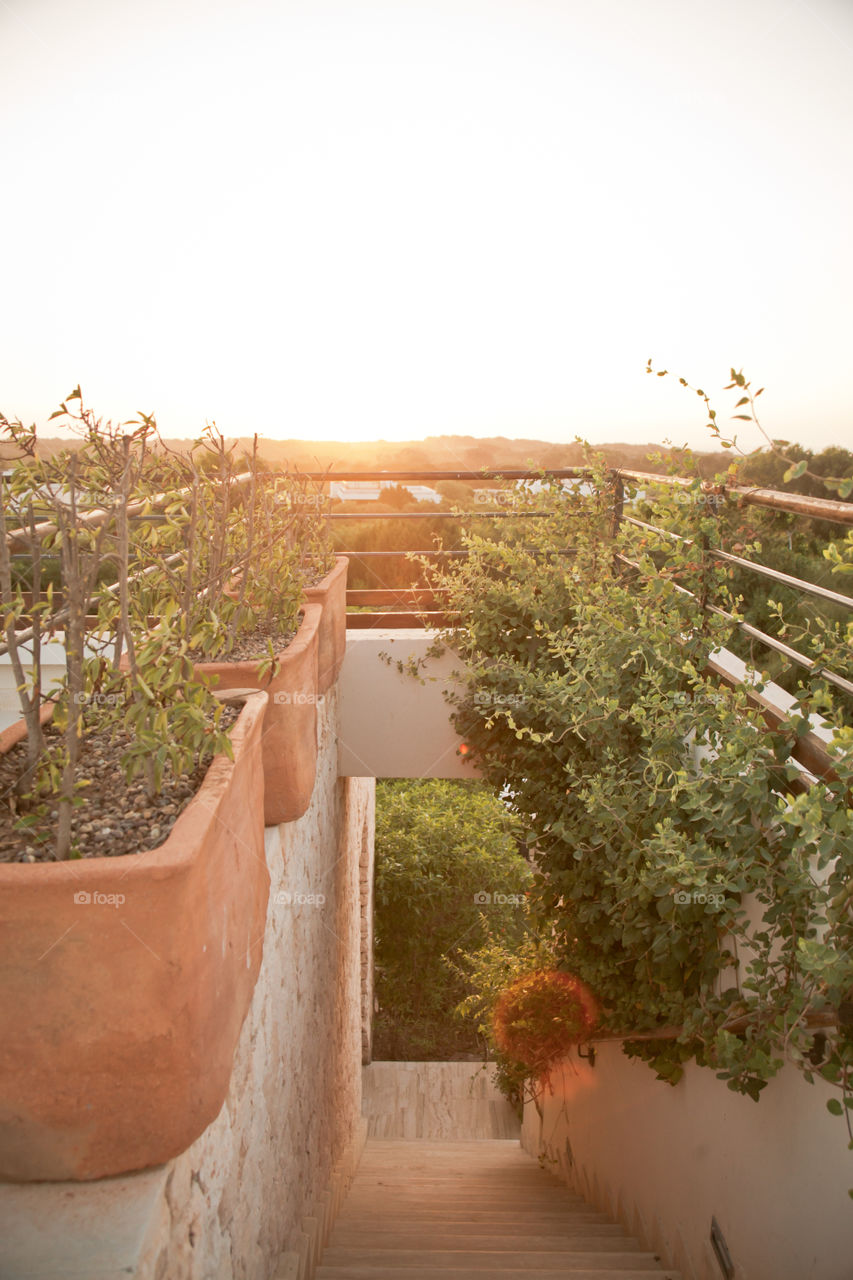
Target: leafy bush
(682, 870)
(162, 557)
(448, 869)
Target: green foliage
(447, 870)
(162, 556)
(679, 871)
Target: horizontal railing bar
(554, 551)
(94, 517)
(509, 473)
(400, 619)
(833, 510)
(809, 750)
(798, 504)
(55, 620)
(769, 642)
(398, 552)
(785, 579)
(388, 595)
(442, 515)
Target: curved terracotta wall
(331, 593)
(290, 724)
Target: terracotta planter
(290, 725)
(125, 982)
(331, 593)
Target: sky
(323, 220)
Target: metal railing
(796, 504)
(418, 607)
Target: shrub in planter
(253, 544)
(76, 508)
(126, 982)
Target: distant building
(354, 490)
(370, 490)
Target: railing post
(618, 503)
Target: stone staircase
(471, 1209)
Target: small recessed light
(721, 1249)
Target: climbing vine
(687, 871)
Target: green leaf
(794, 472)
(834, 1107)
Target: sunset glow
(362, 220)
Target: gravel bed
(116, 817)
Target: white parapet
(395, 718)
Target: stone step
(481, 1272)
(442, 1242)
(494, 1259)
(476, 1217)
(474, 1182)
(538, 1225)
(473, 1210)
(597, 1225)
(474, 1196)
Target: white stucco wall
(392, 724)
(665, 1159)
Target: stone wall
(246, 1191)
(367, 863)
(436, 1100)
